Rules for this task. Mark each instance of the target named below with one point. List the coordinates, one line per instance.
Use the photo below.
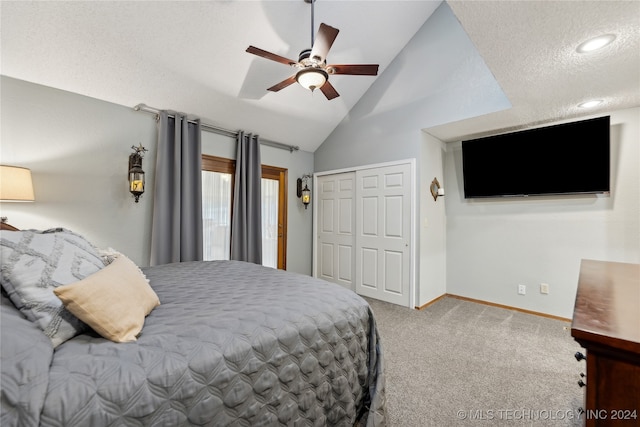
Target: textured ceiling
(190, 57)
(530, 47)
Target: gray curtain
(176, 233)
(246, 224)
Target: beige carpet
(459, 363)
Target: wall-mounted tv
(570, 158)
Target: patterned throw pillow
(34, 263)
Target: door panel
(393, 180)
(369, 268)
(346, 215)
(369, 221)
(336, 219)
(327, 215)
(383, 238)
(393, 272)
(326, 261)
(393, 220)
(345, 258)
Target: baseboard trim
(433, 301)
(493, 304)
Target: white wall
(433, 241)
(77, 149)
(495, 244)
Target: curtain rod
(220, 131)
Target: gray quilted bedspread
(232, 344)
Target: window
(217, 190)
(217, 201)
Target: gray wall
(483, 250)
(77, 149)
(386, 125)
(495, 244)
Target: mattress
(232, 344)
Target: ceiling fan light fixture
(313, 71)
(312, 78)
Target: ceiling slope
(190, 56)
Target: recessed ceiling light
(590, 104)
(595, 43)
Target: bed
(228, 344)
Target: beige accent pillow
(113, 301)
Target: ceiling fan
(313, 71)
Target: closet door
(335, 228)
(383, 233)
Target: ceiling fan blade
(271, 56)
(354, 69)
(283, 84)
(329, 91)
(324, 39)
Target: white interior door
(383, 233)
(335, 226)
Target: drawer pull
(579, 356)
(581, 383)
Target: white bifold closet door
(336, 227)
(364, 231)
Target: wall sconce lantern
(304, 193)
(136, 174)
(436, 189)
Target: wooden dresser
(606, 323)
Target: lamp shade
(311, 78)
(15, 184)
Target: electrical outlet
(522, 289)
(544, 288)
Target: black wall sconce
(304, 193)
(136, 174)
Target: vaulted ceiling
(190, 57)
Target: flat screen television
(569, 158)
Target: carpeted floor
(459, 363)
